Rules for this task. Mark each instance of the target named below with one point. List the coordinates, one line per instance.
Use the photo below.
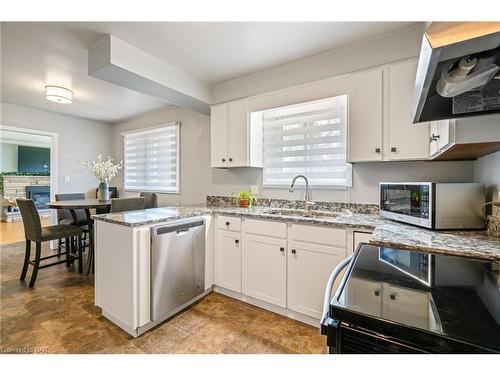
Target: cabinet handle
(282, 249)
(434, 138)
(230, 159)
(236, 241)
(377, 293)
(393, 296)
(223, 160)
(393, 149)
(227, 223)
(377, 150)
(294, 251)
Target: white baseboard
(268, 306)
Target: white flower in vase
(104, 170)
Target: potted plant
(244, 198)
(104, 170)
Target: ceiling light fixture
(58, 94)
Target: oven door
(407, 202)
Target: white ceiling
(37, 54)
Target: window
(152, 159)
(307, 138)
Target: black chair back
(31, 219)
(149, 199)
(66, 214)
(127, 204)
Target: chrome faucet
(307, 194)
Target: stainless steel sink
(300, 213)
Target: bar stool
(33, 231)
(65, 217)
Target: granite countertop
(474, 244)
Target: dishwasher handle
(178, 228)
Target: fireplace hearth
(39, 194)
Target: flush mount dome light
(58, 94)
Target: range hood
(458, 71)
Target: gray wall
(487, 171)
(195, 152)
(79, 140)
(198, 179)
(8, 157)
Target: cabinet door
(264, 269)
(439, 135)
(228, 260)
(238, 134)
(308, 273)
(218, 136)
(365, 123)
(360, 237)
(407, 141)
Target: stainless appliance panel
(434, 205)
(177, 266)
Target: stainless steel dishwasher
(177, 266)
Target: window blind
(307, 138)
(152, 159)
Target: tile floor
(59, 316)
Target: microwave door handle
(329, 287)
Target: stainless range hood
(458, 71)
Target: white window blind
(152, 159)
(307, 138)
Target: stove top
(445, 296)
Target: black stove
(399, 301)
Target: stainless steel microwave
(434, 205)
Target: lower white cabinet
(228, 260)
(264, 269)
(308, 273)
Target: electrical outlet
(67, 179)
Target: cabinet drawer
(265, 228)
(318, 235)
(229, 223)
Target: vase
(244, 203)
(103, 191)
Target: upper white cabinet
(380, 124)
(407, 141)
(365, 122)
(236, 141)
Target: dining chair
(34, 232)
(65, 217)
(149, 199)
(127, 204)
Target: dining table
(86, 205)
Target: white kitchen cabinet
(380, 124)
(228, 260)
(235, 140)
(360, 237)
(313, 253)
(308, 273)
(264, 269)
(365, 121)
(407, 141)
(439, 135)
(218, 136)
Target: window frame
(154, 129)
(300, 183)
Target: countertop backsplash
(359, 208)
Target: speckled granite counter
(386, 232)
(474, 244)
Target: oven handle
(329, 287)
